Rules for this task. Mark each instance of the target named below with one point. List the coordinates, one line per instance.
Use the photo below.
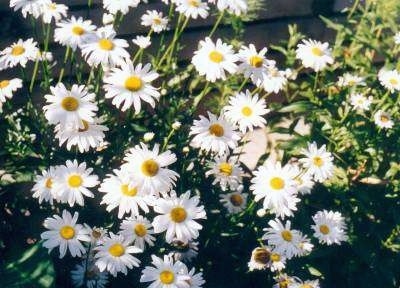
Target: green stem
(221, 16)
(200, 96)
(166, 140)
(66, 57)
(35, 70)
(243, 84)
(172, 44)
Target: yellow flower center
(150, 168)
(216, 130)
(128, 192)
(284, 283)
(85, 126)
(49, 183)
(106, 44)
(246, 111)
(133, 83)
(216, 56)
(317, 51)
(75, 181)
(140, 230)
(178, 214)
(324, 229)
(4, 84)
(393, 81)
(17, 50)
(275, 257)
(70, 104)
(116, 250)
(318, 161)
(157, 21)
(277, 183)
(305, 286)
(261, 255)
(256, 61)
(287, 235)
(67, 232)
(77, 30)
(52, 6)
(225, 168)
(167, 277)
(384, 118)
(194, 3)
(236, 200)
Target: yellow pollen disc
(287, 235)
(167, 277)
(261, 255)
(284, 283)
(317, 52)
(277, 183)
(194, 3)
(70, 104)
(384, 118)
(150, 168)
(225, 168)
(246, 111)
(133, 83)
(106, 44)
(236, 200)
(216, 130)
(85, 126)
(275, 257)
(49, 183)
(17, 50)
(157, 21)
(128, 192)
(140, 230)
(67, 232)
(96, 234)
(4, 84)
(305, 286)
(351, 82)
(324, 229)
(178, 214)
(216, 57)
(116, 250)
(393, 81)
(256, 61)
(52, 6)
(75, 181)
(77, 30)
(318, 161)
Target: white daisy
(260, 258)
(97, 234)
(350, 80)
(390, 79)
(274, 80)
(105, 49)
(360, 102)
(178, 217)
(305, 246)
(214, 134)
(43, 188)
(8, 87)
(32, 7)
(142, 41)
(237, 7)
(114, 255)
(123, 6)
(165, 273)
(314, 54)
(305, 284)
(70, 107)
(383, 119)
(195, 279)
(54, 11)
(234, 202)
(65, 233)
(397, 38)
(226, 172)
(277, 261)
(246, 111)
(155, 20)
(130, 85)
(212, 60)
(73, 180)
(283, 280)
(305, 183)
(329, 227)
(184, 251)
(19, 53)
(74, 32)
(149, 168)
(138, 230)
(277, 186)
(192, 8)
(87, 273)
(253, 64)
(318, 162)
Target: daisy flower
(184, 251)
(114, 255)
(165, 273)
(129, 85)
(274, 80)
(142, 41)
(54, 11)
(97, 234)
(138, 230)
(73, 180)
(246, 111)
(226, 172)
(304, 183)
(155, 20)
(195, 279)
(32, 7)
(149, 168)
(260, 258)
(390, 79)
(383, 119)
(397, 38)
(87, 273)
(234, 202)
(105, 49)
(305, 284)
(277, 261)
(253, 64)
(122, 192)
(65, 234)
(360, 102)
(212, 60)
(215, 134)
(350, 80)
(70, 107)
(192, 8)
(314, 54)
(277, 186)
(178, 215)
(329, 227)
(284, 240)
(19, 53)
(74, 32)
(43, 188)
(283, 280)
(318, 162)
(122, 6)
(237, 7)
(8, 87)
(305, 246)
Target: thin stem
(221, 16)
(166, 140)
(243, 84)
(35, 70)
(353, 9)
(171, 45)
(66, 57)
(200, 96)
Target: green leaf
(297, 107)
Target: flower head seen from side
(138, 230)
(237, 7)
(19, 53)
(142, 41)
(122, 6)
(304, 284)
(350, 80)
(246, 111)
(305, 183)
(193, 8)
(155, 20)
(383, 119)
(66, 234)
(330, 227)
(390, 79)
(314, 54)
(360, 102)
(184, 251)
(129, 85)
(31, 7)
(213, 59)
(234, 202)
(53, 11)
(72, 182)
(178, 217)
(74, 32)
(114, 255)
(214, 134)
(318, 162)
(274, 80)
(253, 63)
(195, 280)
(226, 171)
(165, 273)
(43, 188)
(8, 87)
(87, 273)
(260, 258)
